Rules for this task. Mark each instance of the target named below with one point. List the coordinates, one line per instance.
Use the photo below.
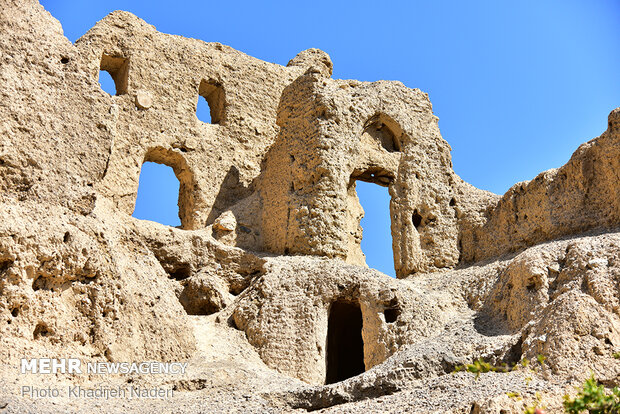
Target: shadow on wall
(231, 191)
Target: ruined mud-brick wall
(327, 134)
(71, 280)
(276, 169)
(274, 172)
(159, 79)
(286, 311)
(335, 132)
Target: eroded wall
(581, 195)
(334, 132)
(154, 112)
(283, 153)
(285, 313)
(274, 173)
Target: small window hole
(417, 219)
(114, 74)
(41, 330)
(211, 102)
(391, 315)
(158, 194)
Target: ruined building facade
(270, 221)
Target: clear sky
(517, 85)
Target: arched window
(381, 144)
(107, 83)
(158, 195)
(376, 224)
(211, 102)
(384, 130)
(114, 74)
(166, 189)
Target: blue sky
(517, 86)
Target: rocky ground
(573, 325)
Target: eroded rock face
(581, 195)
(73, 284)
(297, 296)
(562, 299)
(333, 133)
(268, 256)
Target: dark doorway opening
(345, 346)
